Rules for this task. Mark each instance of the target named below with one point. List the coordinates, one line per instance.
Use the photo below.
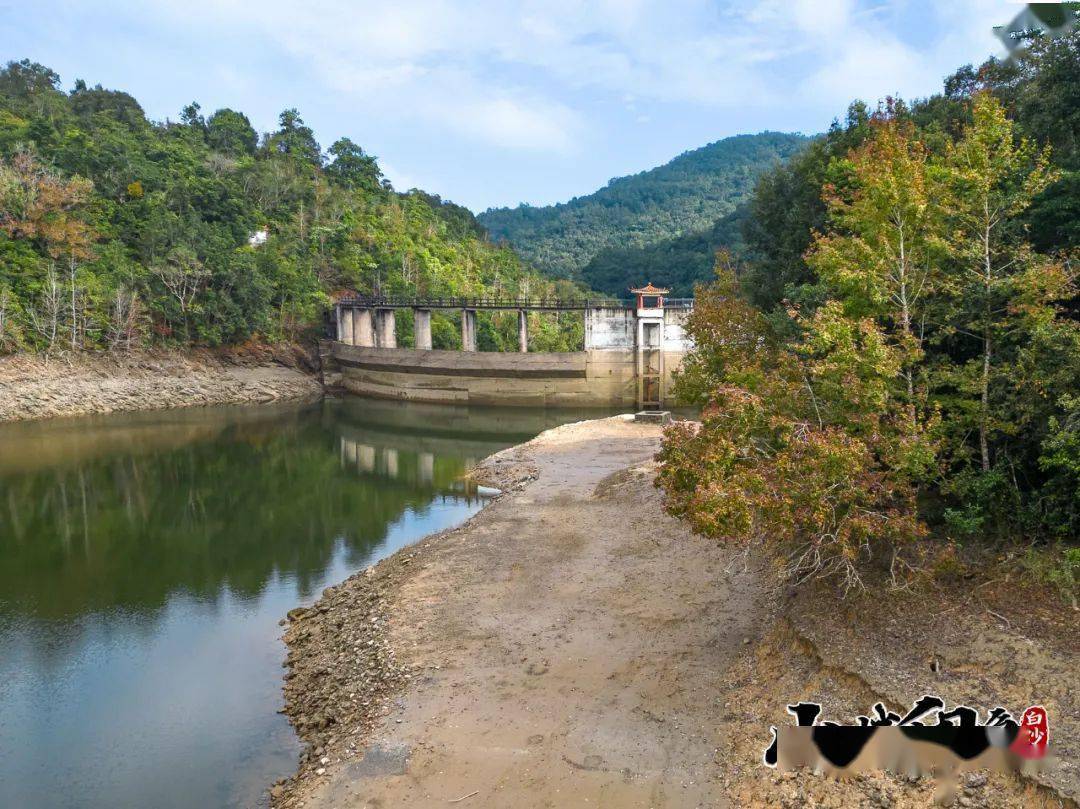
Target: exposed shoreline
(571, 640)
(32, 387)
(369, 661)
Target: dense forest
(1041, 94)
(897, 356)
(117, 231)
(684, 197)
(679, 263)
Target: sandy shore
(33, 388)
(572, 645)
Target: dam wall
(572, 379)
(628, 358)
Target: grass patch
(1057, 566)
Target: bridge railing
(544, 304)
(408, 302)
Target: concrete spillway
(629, 354)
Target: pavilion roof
(649, 289)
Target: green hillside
(685, 197)
(677, 263)
(117, 231)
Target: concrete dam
(631, 348)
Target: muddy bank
(33, 388)
(572, 644)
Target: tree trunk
(3, 317)
(74, 314)
(984, 393)
(905, 323)
(984, 444)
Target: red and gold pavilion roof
(649, 289)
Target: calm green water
(146, 559)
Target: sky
(498, 102)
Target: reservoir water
(146, 559)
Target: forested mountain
(119, 231)
(683, 198)
(678, 263)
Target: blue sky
(496, 102)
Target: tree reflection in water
(141, 552)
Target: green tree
(191, 115)
(787, 207)
(295, 138)
(927, 364)
(881, 256)
(352, 167)
(170, 208)
(992, 180)
(231, 133)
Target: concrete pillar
(422, 328)
(385, 331)
(337, 322)
(346, 334)
(365, 456)
(391, 462)
(363, 331)
(427, 468)
(523, 331)
(468, 330)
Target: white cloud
(401, 180)
(512, 123)
(845, 50)
(868, 55)
(525, 74)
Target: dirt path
(563, 656)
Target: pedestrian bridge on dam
(631, 348)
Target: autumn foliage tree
(932, 387)
(797, 449)
(40, 206)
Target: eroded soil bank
(32, 387)
(573, 645)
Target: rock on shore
(32, 387)
(342, 671)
